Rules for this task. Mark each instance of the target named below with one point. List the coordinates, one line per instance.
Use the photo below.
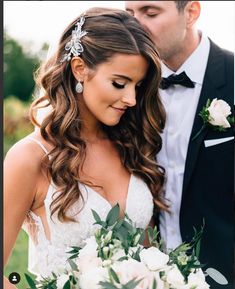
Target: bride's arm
(21, 171)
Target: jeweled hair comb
(74, 46)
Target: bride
(95, 148)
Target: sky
(36, 22)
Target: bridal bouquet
(115, 259)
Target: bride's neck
(93, 135)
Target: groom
(200, 169)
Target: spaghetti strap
(39, 143)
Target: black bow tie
(181, 79)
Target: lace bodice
(47, 256)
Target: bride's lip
(119, 109)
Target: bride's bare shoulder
(28, 153)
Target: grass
(16, 126)
(18, 261)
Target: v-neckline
(106, 201)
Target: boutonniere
(216, 114)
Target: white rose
(91, 278)
(175, 278)
(160, 283)
(130, 269)
(197, 279)
(90, 249)
(153, 258)
(219, 110)
(61, 280)
(86, 263)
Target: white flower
(153, 258)
(133, 250)
(88, 255)
(197, 279)
(106, 263)
(91, 278)
(105, 251)
(61, 280)
(87, 263)
(118, 253)
(160, 283)
(219, 110)
(130, 269)
(136, 239)
(90, 249)
(175, 278)
(108, 237)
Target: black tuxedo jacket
(208, 184)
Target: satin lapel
(214, 78)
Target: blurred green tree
(18, 70)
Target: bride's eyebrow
(123, 76)
(127, 78)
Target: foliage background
(19, 66)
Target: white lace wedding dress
(49, 255)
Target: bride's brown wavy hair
(109, 32)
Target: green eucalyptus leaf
(208, 103)
(96, 216)
(30, 281)
(230, 119)
(128, 226)
(197, 249)
(118, 224)
(114, 276)
(154, 284)
(73, 256)
(107, 285)
(101, 223)
(150, 234)
(113, 215)
(122, 234)
(142, 237)
(132, 284)
(73, 265)
(67, 285)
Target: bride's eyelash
(118, 85)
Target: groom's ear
(192, 10)
(78, 67)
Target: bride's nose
(129, 97)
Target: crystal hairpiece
(74, 45)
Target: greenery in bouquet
(114, 258)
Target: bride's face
(112, 88)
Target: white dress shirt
(180, 104)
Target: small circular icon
(14, 278)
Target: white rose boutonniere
(216, 114)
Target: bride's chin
(110, 122)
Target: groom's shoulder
(222, 56)
(216, 49)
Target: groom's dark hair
(180, 5)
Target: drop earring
(79, 87)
